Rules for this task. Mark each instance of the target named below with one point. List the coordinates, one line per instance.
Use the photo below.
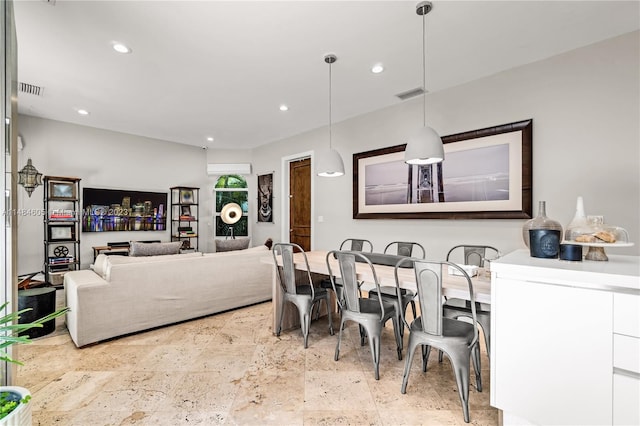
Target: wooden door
(300, 203)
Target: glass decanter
(579, 225)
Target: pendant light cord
(424, 69)
(330, 105)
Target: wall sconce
(30, 177)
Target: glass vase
(541, 221)
(579, 224)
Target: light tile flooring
(230, 369)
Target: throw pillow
(233, 244)
(154, 249)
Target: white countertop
(619, 273)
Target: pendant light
(425, 145)
(329, 162)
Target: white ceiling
(222, 68)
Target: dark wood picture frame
(62, 232)
(520, 170)
(59, 190)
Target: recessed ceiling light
(121, 48)
(83, 112)
(284, 108)
(377, 68)
(209, 139)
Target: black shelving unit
(184, 216)
(61, 227)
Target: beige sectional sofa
(122, 295)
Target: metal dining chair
(402, 248)
(369, 314)
(353, 244)
(303, 296)
(478, 255)
(457, 339)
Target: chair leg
(426, 350)
(460, 365)
(280, 315)
(407, 364)
(337, 354)
(374, 344)
(475, 356)
(398, 335)
(485, 323)
(329, 309)
(305, 320)
(304, 310)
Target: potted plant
(14, 408)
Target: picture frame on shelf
(59, 190)
(487, 174)
(61, 232)
(185, 211)
(186, 196)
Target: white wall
(585, 109)
(102, 159)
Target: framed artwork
(106, 210)
(265, 198)
(186, 196)
(486, 174)
(62, 232)
(62, 190)
(185, 211)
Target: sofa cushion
(233, 244)
(127, 260)
(99, 265)
(154, 249)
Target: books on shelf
(53, 260)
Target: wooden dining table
(452, 285)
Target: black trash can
(42, 302)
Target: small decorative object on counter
(579, 224)
(544, 243)
(541, 221)
(571, 252)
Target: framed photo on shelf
(186, 196)
(62, 190)
(185, 211)
(62, 232)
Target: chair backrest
(405, 248)
(351, 294)
(473, 254)
(287, 272)
(356, 244)
(429, 285)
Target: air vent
(410, 94)
(30, 89)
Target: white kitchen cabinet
(560, 330)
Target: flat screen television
(123, 210)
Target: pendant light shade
(425, 145)
(329, 162)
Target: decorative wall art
(123, 210)
(265, 198)
(486, 174)
(62, 190)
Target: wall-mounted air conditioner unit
(218, 169)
